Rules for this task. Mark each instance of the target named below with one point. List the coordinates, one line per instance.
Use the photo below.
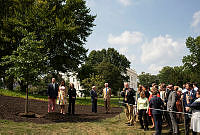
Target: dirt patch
(10, 107)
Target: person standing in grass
(156, 103)
(72, 98)
(52, 93)
(142, 109)
(171, 106)
(106, 97)
(62, 98)
(131, 103)
(124, 95)
(93, 95)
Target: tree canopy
(147, 79)
(108, 64)
(192, 61)
(62, 27)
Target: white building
(132, 78)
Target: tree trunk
(26, 102)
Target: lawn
(109, 126)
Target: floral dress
(62, 96)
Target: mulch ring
(11, 107)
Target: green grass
(79, 100)
(110, 126)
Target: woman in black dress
(72, 98)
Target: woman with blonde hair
(62, 98)
(142, 109)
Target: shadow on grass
(59, 118)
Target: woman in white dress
(195, 120)
(62, 97)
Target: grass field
(109, 126)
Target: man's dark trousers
(158, 123)
(94, 105)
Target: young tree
(27, 62)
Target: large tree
(147, 79)
(111, 74)
(192, 61)
(62, 25)
(110, 55)
(9, 34)
(109, 64)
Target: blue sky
(150, 33)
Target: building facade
(132, 78)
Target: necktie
(106, 91)
(54, 86)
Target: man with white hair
(93, 95)
(106, 97)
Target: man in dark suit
(188, 98)
(171, 106)
(156, 103)
(93, 95)
(52, 93)
(125, 104)
(131, 103)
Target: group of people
(58, 94)
(163, 103)
(153, 104)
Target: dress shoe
(146, 128)
(130, 125)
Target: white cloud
(154, 69)
(90, 3)
(126, 38)
(131, 58)
(161, 51)
(123, 50)
(125, 2)
(196, 19)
